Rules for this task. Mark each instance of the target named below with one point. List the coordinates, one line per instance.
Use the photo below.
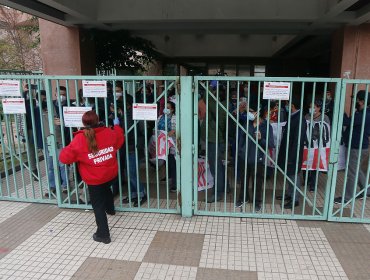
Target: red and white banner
(202, 182)
(161, 145)
(311, 159)
(317, 151)
(310, 155)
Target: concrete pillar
(66, 50)
(350, 52)
(350, 56)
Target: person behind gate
(94, 149)
(358, 148)
(253, 148)
(295, 128)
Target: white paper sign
(276, 90)
(143, 111)
(94, 88)
(72, 116)
(14, 106)
(9, 88)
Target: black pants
(249, 174)
(102, 200)
(172, 170)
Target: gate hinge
(193, 149)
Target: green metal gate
(22, 181)
(23, 166)
(215, 149)
(349, 200)
(269, 179)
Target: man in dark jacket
(290, 153)
(30, 104)
(358, 147)
(252, 158)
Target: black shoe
(289, 204)
(239, 203)
(35, 175)
(80, 201)
(111, 212)
(257, 207)
(213, 198)
(142, 201)
(52, 191)
(312, 189)
(338, 200)
(105, 240)
(173, 190)
(280, 197)
(361, 196)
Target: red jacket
(101, 167)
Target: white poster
(14, 106)
(72, 116)
(277, 130)
(94, 88)
(276, 90)
(143, 111)
(9, 88)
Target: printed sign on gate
(276, 90)
(144, 112)
(14, 106)
(94, 88)
(72, 116)
(9, 88)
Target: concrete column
(66, 50)
(351, 55)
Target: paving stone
(97, 269)
(223, 274)
(175, 248)
(22, 225)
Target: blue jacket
(251, 152)
(356, 133)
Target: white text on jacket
(101, 155)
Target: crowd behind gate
(237, 129)
(118, 104)
(252, 139)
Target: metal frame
(187, 89)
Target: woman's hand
(171, 133)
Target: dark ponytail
(91, 141)
(90, 119)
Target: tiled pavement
(44, 242)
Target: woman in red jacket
(94, 149)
